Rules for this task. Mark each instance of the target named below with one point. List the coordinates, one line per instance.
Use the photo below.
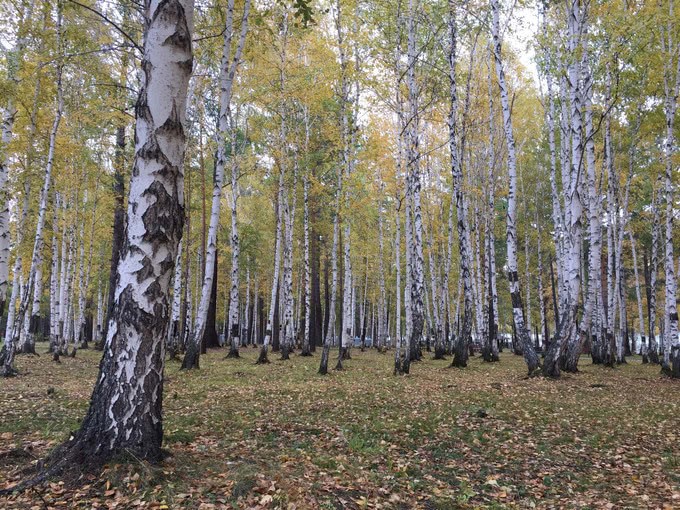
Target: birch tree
(417, 276)
(671, 82)
(460, 354)
(511, 230)
(308, 274)
(228, 68)
(125, 412)
(35, 270)
(15, 58)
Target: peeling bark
(125, 413)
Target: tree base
(233, 353)
(460, 355)
(439, 351)
(397, 367)
(551, 368)
(458, 363)
(27, 349)
(262, 359)
(8, 372)
(675, 362)
(75, 458)
(190, 361)
(490, 357)
(536, 372)
(323, 366)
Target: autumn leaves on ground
(241, 435)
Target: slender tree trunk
(565, 349)
(417, 283)
(670, 362)
(594, 210)
(308, 273)
(35, 272)
(490, 352)
(275, 281)
(228, 69)
(397, 255)
(287, 287)
(653, 272)
(530, 356)
(235, 254)
(14, 58)
(54, 278)
(329, 336)
(460, 355)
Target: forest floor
(242, 435)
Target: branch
(110, 22)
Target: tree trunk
(530, 356)
(35, 272)
(118, 225)
(228, 69)
(125, 413)
(308, 274)
(671, 343)
(235, 254)
(565, 349)
(397, 255)
(460, 355)
(54, 278)
(329, 336)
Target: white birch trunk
(511, 231)
(17, 270)
(490, 353)
(256, 312)
(641, 317)
(35, 270)
(287, 301)
(246, 321)
(464, 337)
(174, 328)
(397, 320)
(275, 280)
(14, 59)
(308, 271)
(671, 342)
(382, 305)
(594, 210)
(228, 69)
(54, 278)
(329, 335)
(125, 413)
(233, 331)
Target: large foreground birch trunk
(125, 413)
